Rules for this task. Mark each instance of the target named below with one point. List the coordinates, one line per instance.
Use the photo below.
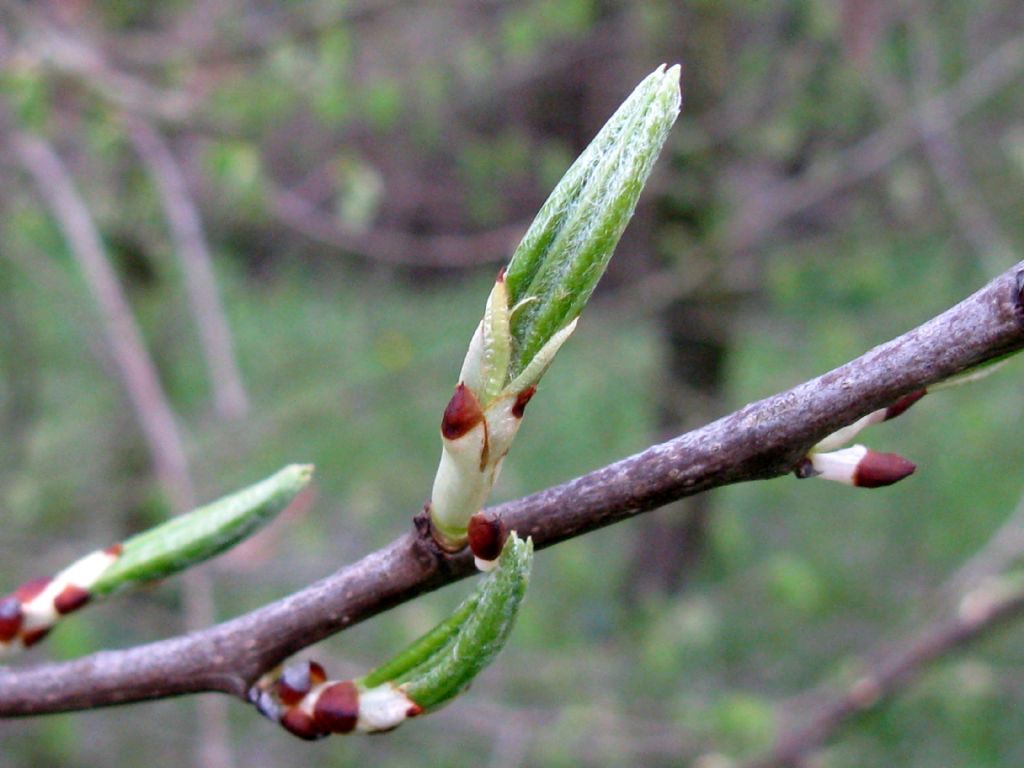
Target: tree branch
(133, 363)
(981, 610)
(393, 246)
(186, 226)
(768, 207)
(762, 440)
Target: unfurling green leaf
(431, 671)
(452, 664)
(533, 307)
(565, 251)
(31, 610)
(207, 531)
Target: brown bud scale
(462, 414)
(317, 674)
(487, 534)
(34, 636)
(115, 549)
(298, 723)
(10, 618)
(805, 469)
(876, 470)
(71, 599)
(27, 591)
(337, 708)
(294, 683)
(904, 403)
(519, 407)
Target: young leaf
(207, 531)
(431, 671)
(533, 307)
(31, 611)
(566, 249)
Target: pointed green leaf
(566, 249)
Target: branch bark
(762, 440)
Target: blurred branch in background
(41, 43)
(763, 209)
(196, 36)
(186, 226)
(937, 126)
(980, 612)
(766, 208)
(984, 594)
(390, 246)
(1000, 553)
(124, 339)
(139, 377)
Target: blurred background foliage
(842, 170)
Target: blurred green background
(842, 171)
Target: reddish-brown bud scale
(501, 276)
(904, 403)
(462, 414)
(413, 710)
(114, 549)
(880, 469)
(294, 683)
(337, 708)
(317, 674)
(487, 535)
(10, 618)
(34, 636)
(519, 407)
(298, 723)
(71, 599)
(805, 469)
(27, 591)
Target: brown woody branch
(762, 440)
